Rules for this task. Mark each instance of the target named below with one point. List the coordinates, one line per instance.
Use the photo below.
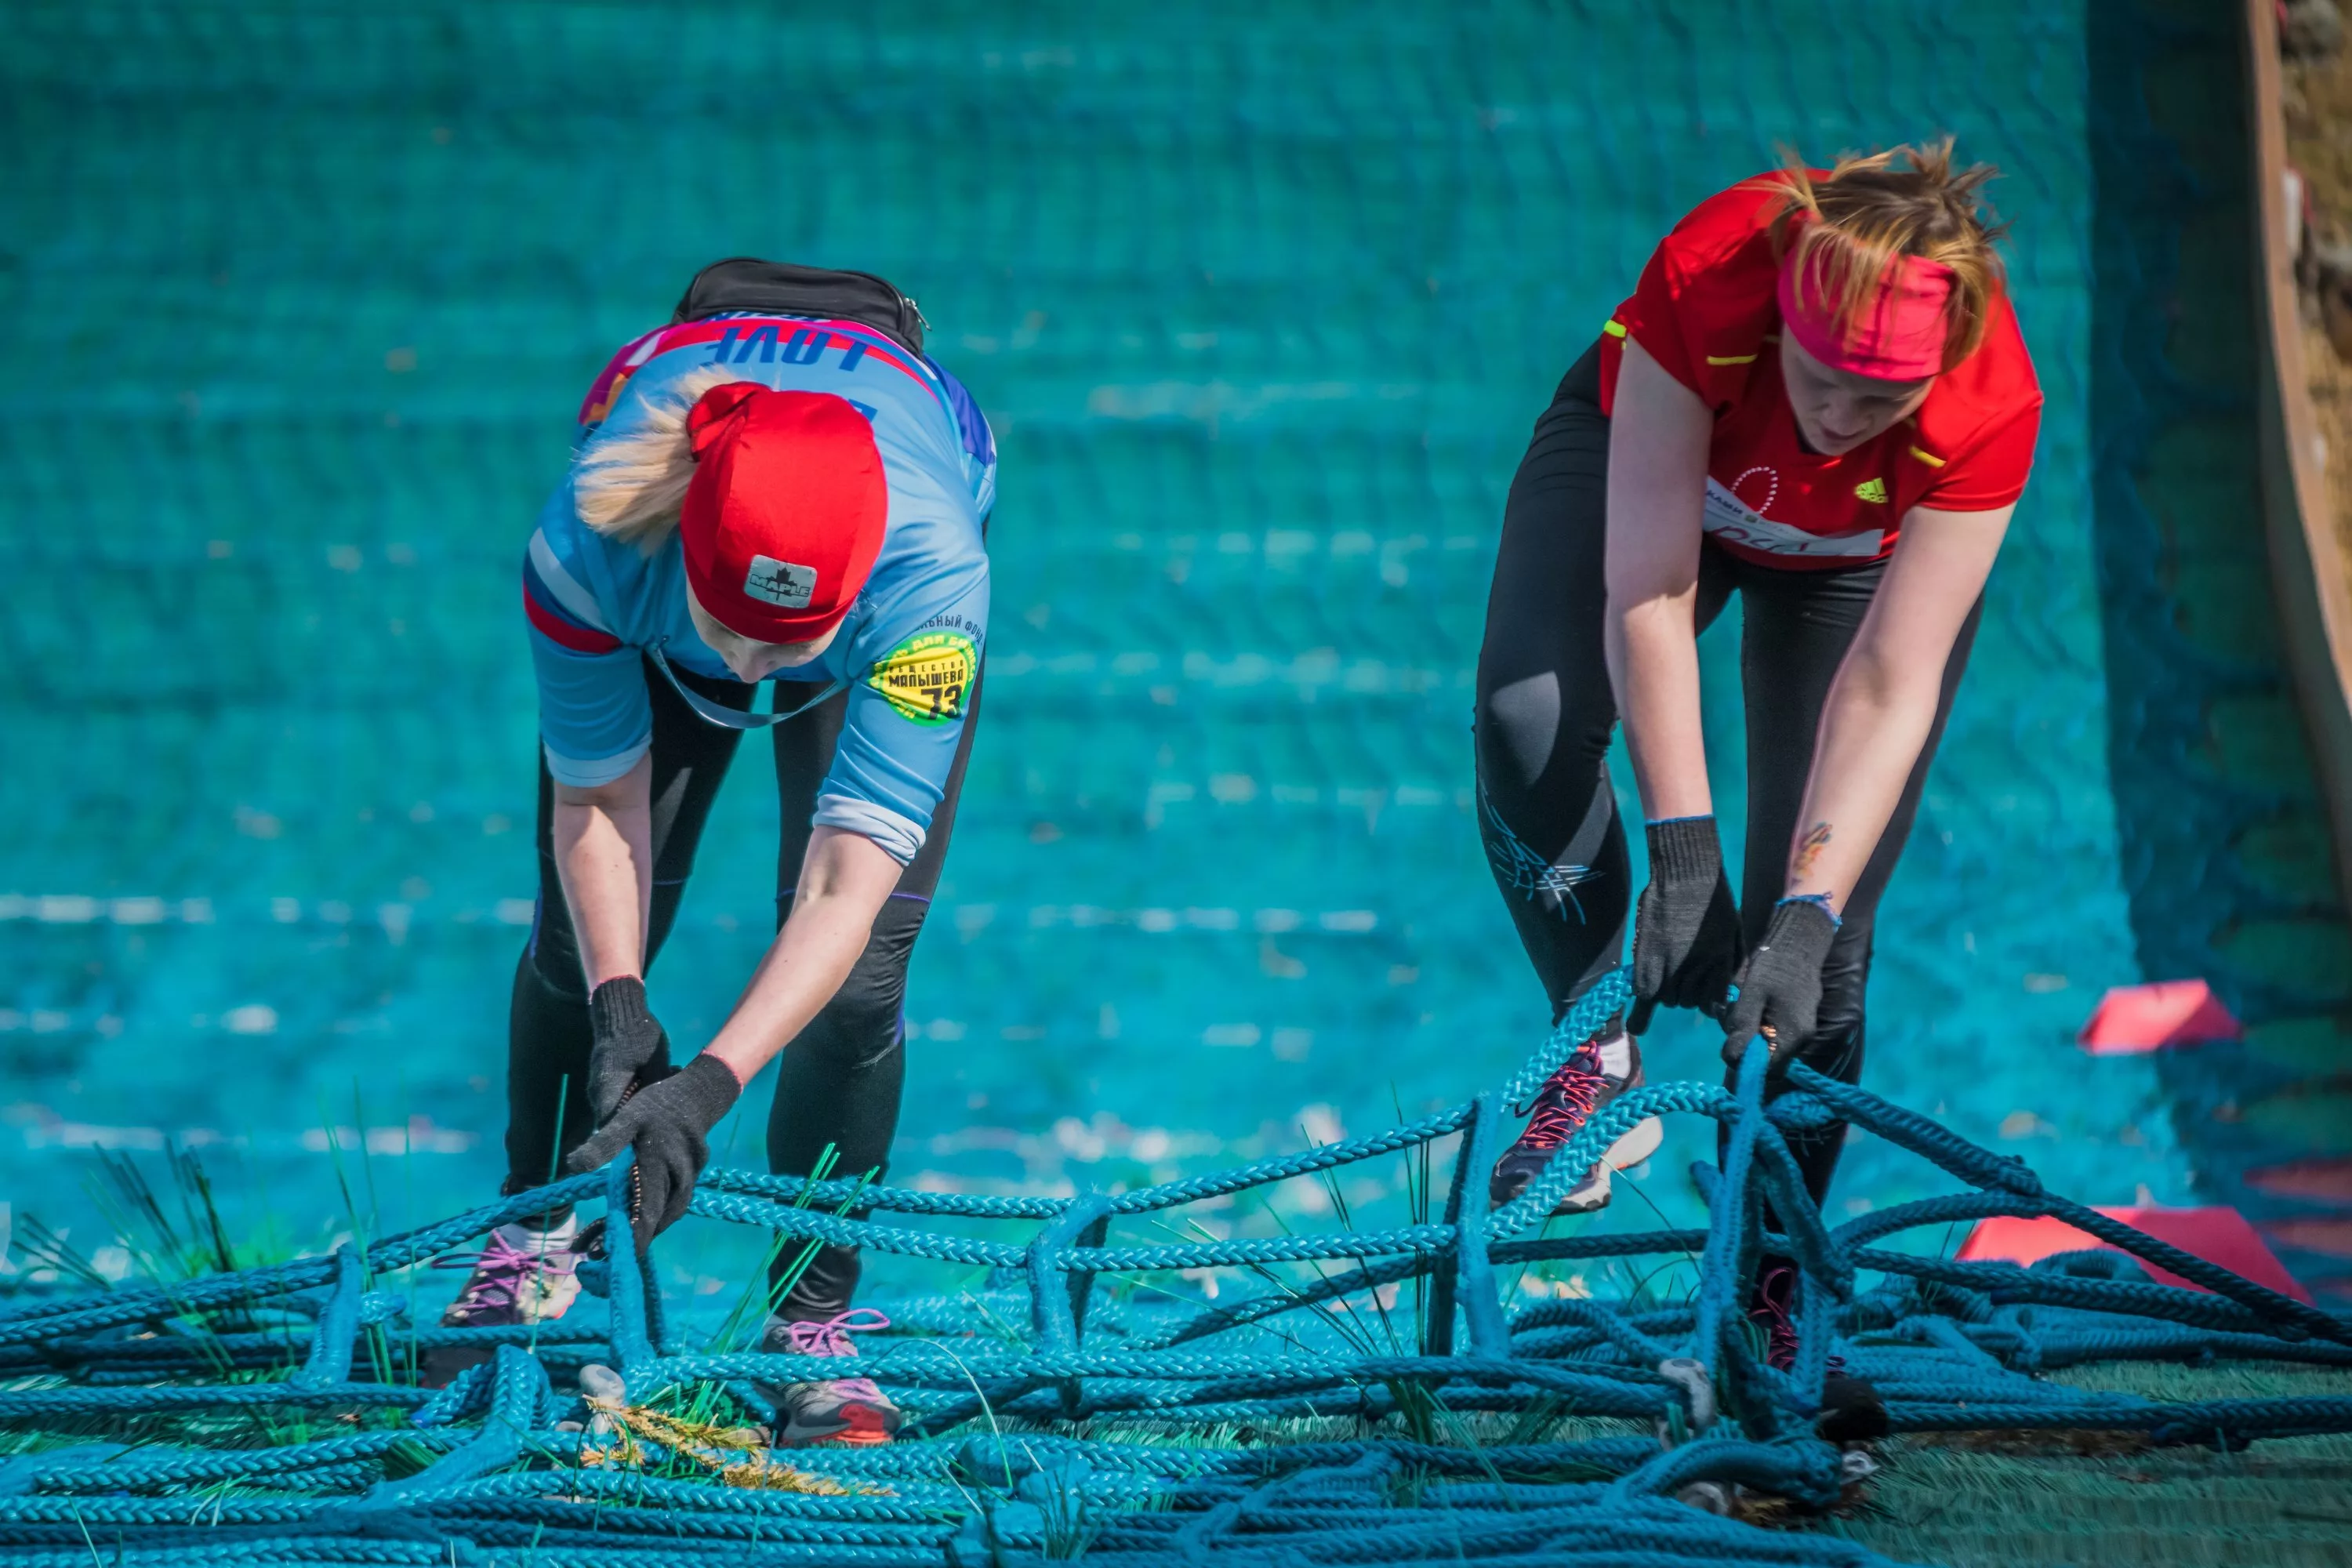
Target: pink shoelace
(1566, 1102)
(831, 1337)
(1771, 1310)
(501, 1272)
(1774, 1294)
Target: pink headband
(1897, 336)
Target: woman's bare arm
(845, 879)
(603, 855)
(1883, 703)
(603, 852)
(1658, 436)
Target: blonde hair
(629, 484)
(1868, 214)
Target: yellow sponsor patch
(1872, 490)
(1614, 328)
(928, 677)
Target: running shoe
(1774, 1311)
(849, 1411)
(1852, 1410)
(515, 1280)
(1569, 1098)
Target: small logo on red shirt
(1756, 489)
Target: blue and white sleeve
(979, 441)
(906, 714)
(596, 719)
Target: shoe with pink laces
(518, 1277)
(1569, 1100)
(1852, 1410)
(1774, 1311)
(850, 1410)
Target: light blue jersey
(910, 648)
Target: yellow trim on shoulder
(1613, 327)
(1731, 358)
(1929, 458)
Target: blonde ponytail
(629, 484)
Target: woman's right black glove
(629, 1050)
(669, 1127)
(1686, 929)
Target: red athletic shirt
(1705, 309)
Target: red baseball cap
(785, 512)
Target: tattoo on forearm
(1809, 850)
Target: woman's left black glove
(1781, 984)
(668, 1123)
(1685, 928)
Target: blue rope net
(1010, 1393)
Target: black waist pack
(745, 283)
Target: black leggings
(839, 1080)
(1545, 713)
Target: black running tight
(1545, 714)
(838, 1082)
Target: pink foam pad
(2151, 1017)
(2218, 1234)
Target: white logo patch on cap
(780, 582)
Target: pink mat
(2218, 1234)
(2151, 1017)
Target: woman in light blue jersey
(777, 484)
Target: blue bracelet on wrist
(1819, 901)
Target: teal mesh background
(1262, 299)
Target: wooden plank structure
(2308, 569)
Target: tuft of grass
(159, 1248)
(44, 1248)
(1072, 1523)
(402, 1460)
(172, 1227)
(1375, 1329)
(766, 1292)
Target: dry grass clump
(734, 1456)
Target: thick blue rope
(499, 1457)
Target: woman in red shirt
(1817, 397)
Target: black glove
(669, 1125)
(1781, 984)
(631, 1049)
(1685, 929)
